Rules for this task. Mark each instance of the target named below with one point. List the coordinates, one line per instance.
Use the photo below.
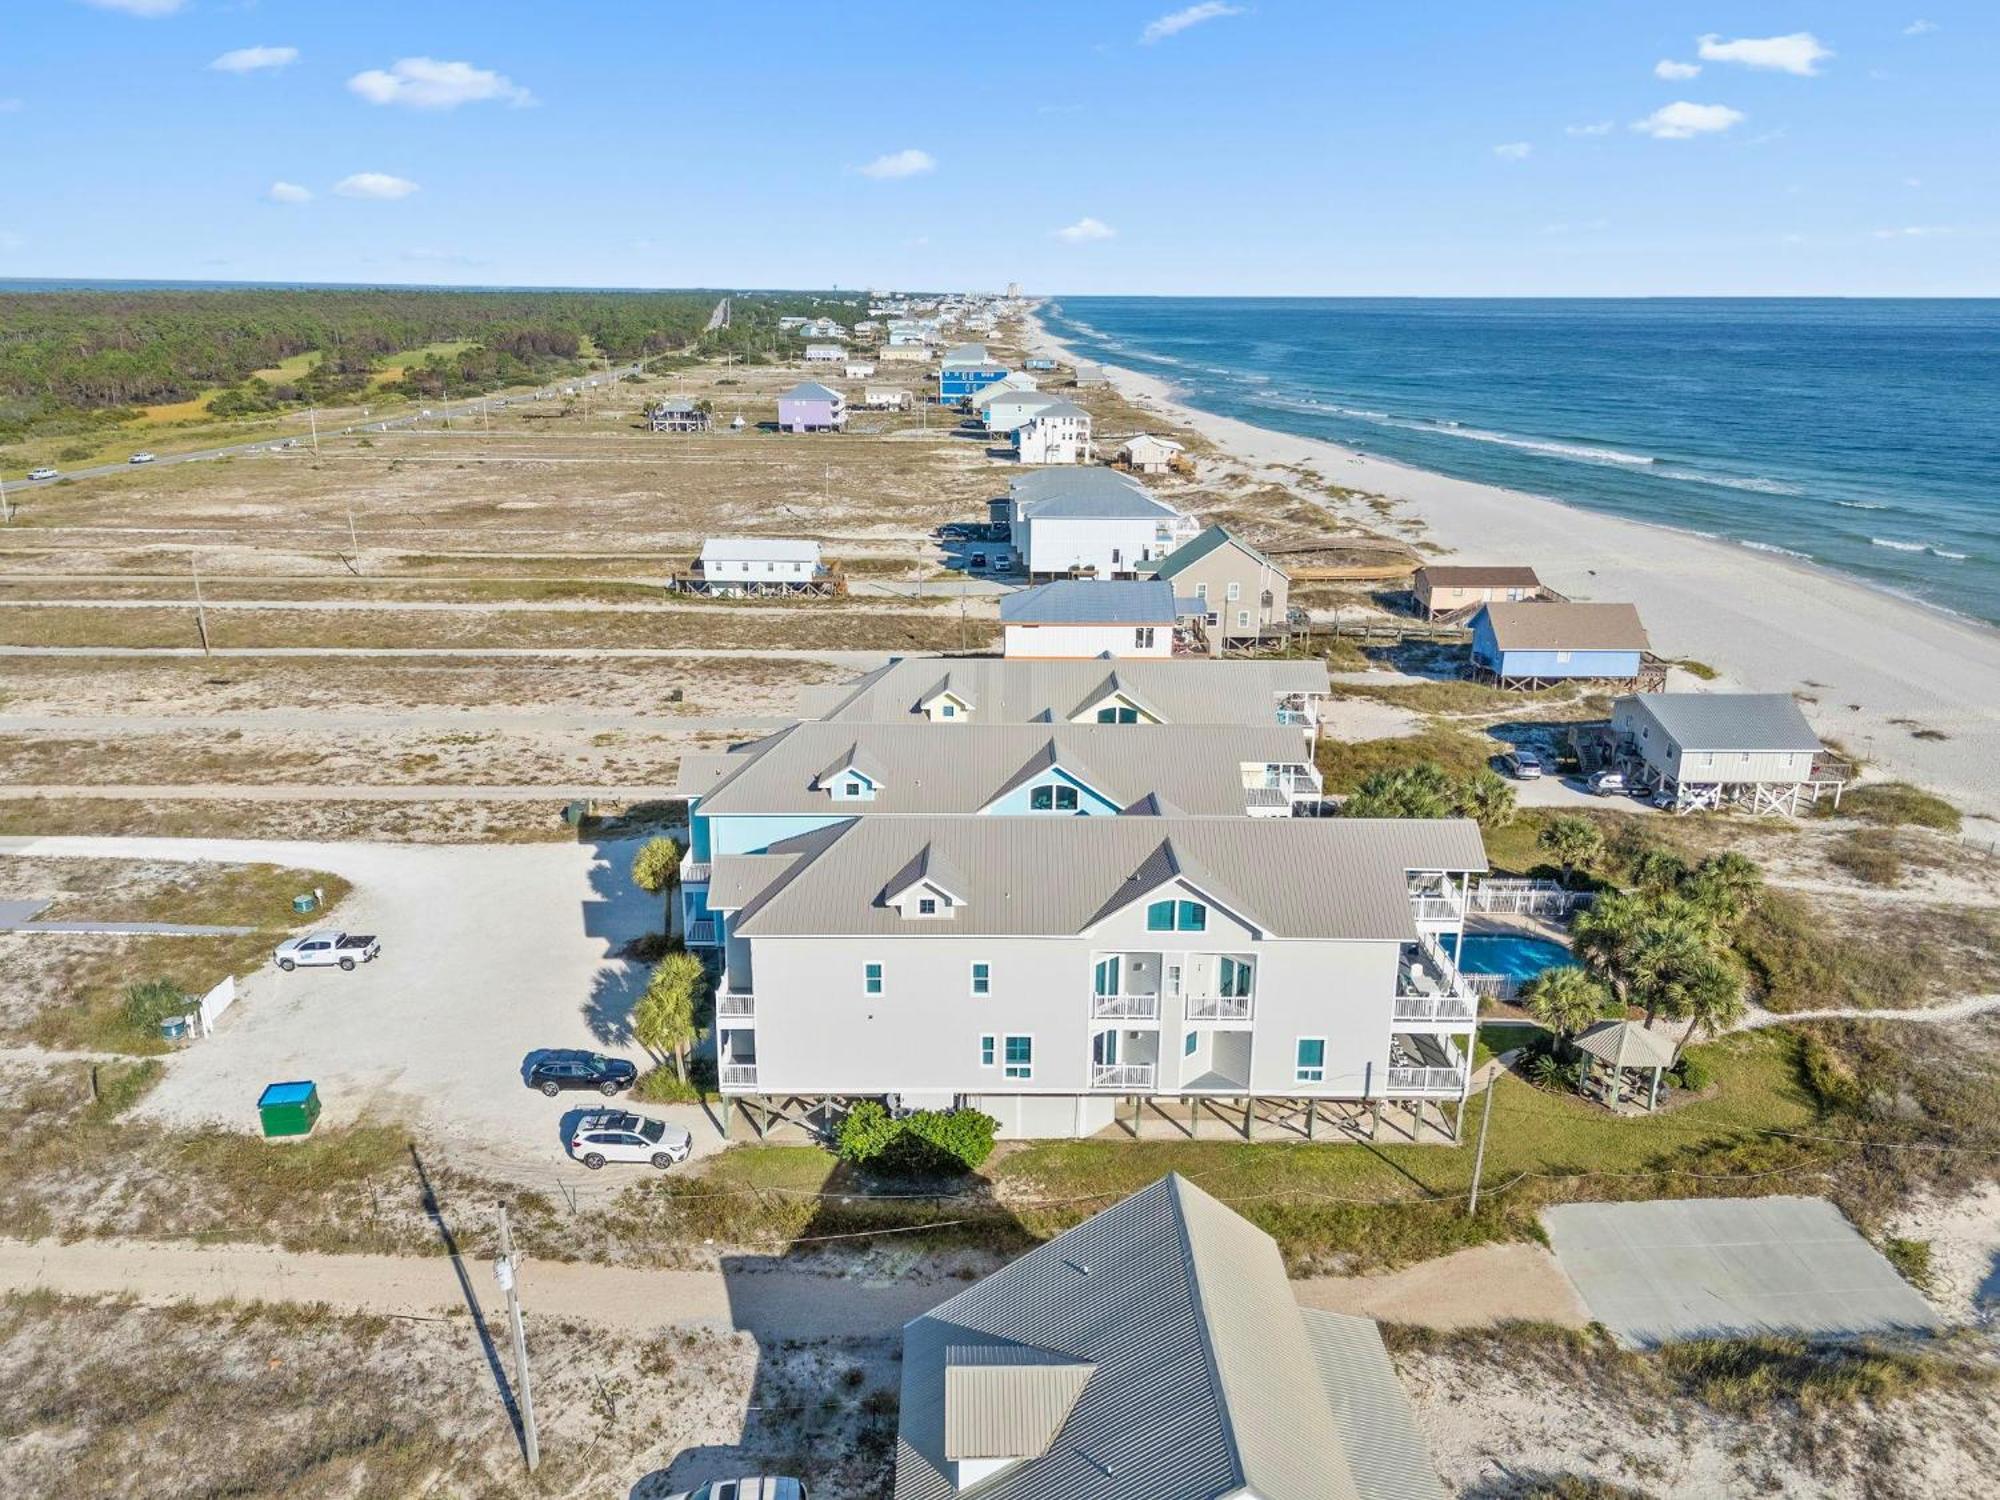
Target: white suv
(615, 1135)
(746, 1489)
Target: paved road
(477, 606)
(443, 411)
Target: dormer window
(1176, 916)
(947, 710)
(927, 906)
(1052, 799)
(1118, 713)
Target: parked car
(746, 1489)
(1610, 784)
(1522, 765)
(614, 1136)
(1665, 799)
(140, 458)
(553, 1072)
(978, 563)
(325, 950)
(42, 473)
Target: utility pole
(6, 515)
(312, 415)
(1479, 1155)
(200, 610)
(353, 543)
(505, 1268)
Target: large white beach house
(1089, 520)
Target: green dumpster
(304, 904)
(289, 1108)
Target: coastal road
(867, 661)
(336, 721)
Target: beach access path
(1916, 691)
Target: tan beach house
(1243, 592)
(1447, 589)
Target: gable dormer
(947, 703)
(1004, 1403)
(925, 890)
(854, 777)
(1117, 701)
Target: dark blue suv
(552, 1072)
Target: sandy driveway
(489, 952)
(751, 1292)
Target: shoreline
(1912, 689)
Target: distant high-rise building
(1013, 288)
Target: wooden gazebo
(1622, 1047)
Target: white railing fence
(739, 1075)
(1527, 898)
(1494, 986)
(1218, 1007)
(1121, 1075)
(1426, 1080)
(735, 1004)
(1124, 1007)
(1436, 1007)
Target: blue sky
(1267, 146)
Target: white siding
(1087, 640)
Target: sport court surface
(1729, 1267)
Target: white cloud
(1596, 127)
(1920, 28)
(287, 192)
(1800, 52)
(1912, 232)
(1666, 67)
(909, 163)
(1084, 230)
(426, 83)
(1175, 22)
(1682, 121)
(378, 185)
(146, 8)
(250, 59)
(1514, 151)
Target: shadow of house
(821, 1401)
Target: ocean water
(1860, 434)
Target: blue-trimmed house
(1538, 644)
(966, 370)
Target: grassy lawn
(225, 896)
(1496, 1037)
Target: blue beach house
(1537, 644)
(967, 369)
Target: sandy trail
(865, 660)
(359, 791)
(318, 721)
(750, 1292)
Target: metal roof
(1205, 1380)
(1547, 626)
(1627, 1044)
(1041, 484)
(1007, 1400)
(758, 549)
(1211, 539)
(1730, 721)
(1000, 691)
(811, 390)
(1474, 576)
(1059, 408)
(1198, 767)
(1089, 601)
(1384, 1449)
(967, 354)
(1314, 878)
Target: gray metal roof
(1195, 766)
(811, 390)
(1060, 408)
(1548, 626)
(759, 549)
(1177, 691)
(1384, 1449)
(1206, 1381)
(1627, 1044)
(1340, 879)
(1007, 1400)
(966, 354)
(1089, 601)
(1730, 721)
(1211, 539)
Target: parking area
(1730, 1268)
(490, 953)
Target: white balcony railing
(736, 1005)
(701, 933)
(1426, 1080)
(694, 871)
(1437, 1007)
(1218, 1007)
(1436, 908)
(738, 1075)
(1124, 1007)
(1121, 1075)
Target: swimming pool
(1519, 958)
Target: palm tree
(1672, 956)
(1566, 1000)
(1486, 797)
(1603, 936)
(1712, 1000)
(1419, 791)
(664, 1019)
(1724, 886)
(656, 870)
(1573, 843)
(1658, 869)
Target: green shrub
(152, 1001)
(1910, 1257)
(662, 1085)
(928, 1143)
(1895, 804)
(1693, 1074)
(1870, 855)
(1797, 961)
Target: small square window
(1020, 1057)
(1234, 592)
(986, 1051)
(871, 978)
(982, 979)
(1311, 1059)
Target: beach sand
(1912, 691)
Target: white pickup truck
(317, 950)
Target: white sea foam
(1949, 556)
(1862, 504)
(1883, 541)
(1774, 548)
